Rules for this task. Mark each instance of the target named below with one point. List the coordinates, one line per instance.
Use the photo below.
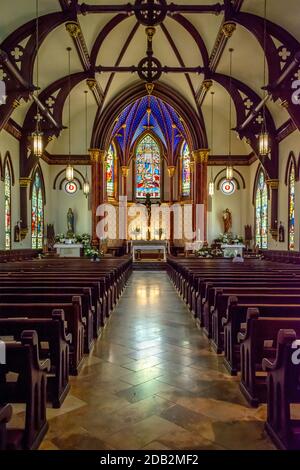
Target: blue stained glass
(110, 172)
(147, 166)
(37, 213)
(7, 202)
(292, 207)
(186, 171)
(261, 212)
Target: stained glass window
(110, 172)
(292, 206)
(37, 212)
(261, 212)
(147, 166)
(7, 202)
(186, 171)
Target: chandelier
(69, 169)
(211, 184)
(37, 135)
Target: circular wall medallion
(71, 187)
(228, 187)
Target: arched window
(37, 212)
(110, 172)
(7, 202)
(185, 171)
(291, 221)
(147, 168)
(261, 211)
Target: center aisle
(153, 383)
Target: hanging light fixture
(229, 168)
(211, 184)
(263, 138)
(37, 136)
(69, 169)
(86, 184)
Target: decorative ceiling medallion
(71, 187)
(227, 187)
(151, 13)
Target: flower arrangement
(229, 239)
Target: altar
(71, 250)
(160, 246)
(232, 250)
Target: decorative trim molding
(25, 182)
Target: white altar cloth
(150, 246)
(71, 250)
(232, 250)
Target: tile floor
(152, 382)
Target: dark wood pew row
(74, 321)
(5, 417)
(283, 391)
(22, 358)
(58, 298)
(258, 342)
(214, 313)
(235, 320)
(65, 285)
(53, 344)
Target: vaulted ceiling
(102, 38)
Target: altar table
(150, 247)
(72, 250)
(232, 250)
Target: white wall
(237, 203)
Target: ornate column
(124, 173)
(171, 172)
(200, 158)
(24, 184)
(98, 189)
(273, 185)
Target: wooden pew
(59, 298)
(283, 391)
(5, 417)
(245, 295)
(73, 315)
(98, 302)
(253, 349)
(50, 331)
(236, 315)
(30, 388)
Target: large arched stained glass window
(7, 202)
(261, 212)
(147, 165)
(37, 212)
(110, 172)
(291, 223)
(186, 171)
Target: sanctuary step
(149, 266)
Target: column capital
(96, 155)
(228, 28)
(200, 155)
(125, 171)
(73, 28)
(273, 183)
(171, 170)
(24, 182)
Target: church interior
(149, 237)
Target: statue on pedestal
(70, 223)
(148, 207)
(227, 221)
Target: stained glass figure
(110, 172)
(292, 207)
(186, 171)
(147, 164)
(261, 212)
(37, 213)
(7, 203)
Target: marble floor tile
(153, 382)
